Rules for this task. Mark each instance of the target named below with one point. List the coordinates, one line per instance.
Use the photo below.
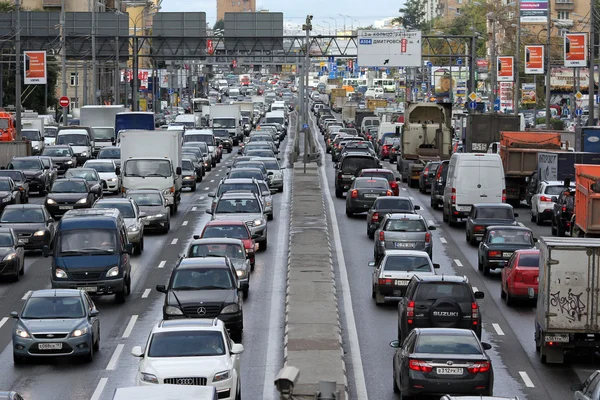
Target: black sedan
(12, 255)
(387, 205)
(9, 192)
(499, 243)
(32, 224)
(33, 168)
(363, 192)
(20, 180)
(91, 177)
(484, 215)
(62, 157)
(427, 176)
(436, 361)
(68, 194)
(222, 136)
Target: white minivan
(472, 178)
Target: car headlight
(79, 332)
(189, 177)
(6, 199)
(69, 163)
(230, 309)
(50, 201)
(167, 192)
(60, 273)
(82, 201)
(21, 332)
(149, 378)
(84, 154)
(241, 273)
(114, 271)
(112, 179)
(39, 233)
(257, 222)
(133, 228)
(36, 147)
(10, 257)
(172, 310)
(221, 376)
(269, 204)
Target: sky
(326, 13)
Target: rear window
(371, 183)
(352, 165)
(226, 187)
(510, 236)
(495, 213)
(451, 344)
(529, 260)
(437, 290)
(405, 225)
(389, 176)
(407, 264)
(554, 190)
(394, 204)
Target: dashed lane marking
(146, 293)
(404, 188)
(130, 326)
(26, 295)
(498, 330)
(528, 382)
(184, 223)
(457, 262)
(115, 357)
(194, 208)
(3, 321)
(162, 264)
(207, 188)
(215, 175)
(475, 289)
(212, 180)
(520, 224)
(99, 389)
(174, 241)
(444, 241)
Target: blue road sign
(459, 61)
(332, 75)
(597, 99)
(472, 105)
(423, 85)
(171, 91)
(331, 59)
(334, 67)
(320, 73)
(429, 64)
(415, 90)
(305, 126)
(579, 112)
(387, 71)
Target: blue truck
(134, 120)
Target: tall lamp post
(329, 24)
(306, 27)
(335, 24)
(343, 16)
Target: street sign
(459, 61)
(64, 101)
(473, 96)
(331, 59)
(472, 105)
(171, 91)
(497, 105)
(429, 64)
(597, 97)
(389, 48)
(415, 90)
(423, 85)
(578, 95)
(305, 126)
(579, 112)
(332, 75)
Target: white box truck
(566, 317)
(32, 129)
(228, 116)
(247, 111)
(152, 160)
(102, 121)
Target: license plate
(557, 338)
(463, 208)
(88, 288)
(50, 346)
(24, 240)
(404, 245)
(371, 195)
(65, 207)
(507, 254)
(400, 282)
(449, 371)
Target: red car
(520, 274)
(231, 230)
(383, 173)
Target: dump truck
(373, 104)
(349, 111)
(482, 130)
(566, 317)
(587, 201)
(519, 154)
(426, 136)
(560, 165)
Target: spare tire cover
(445, 313)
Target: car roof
(411, 216)
(492, 205)
(190, 324)
(118, 200)
(444, 331)
(442, 278)
(81, 169)
(143, 191)
(509, 227)
(556, 183)
(527, 251)
(217, 241)
(239, 195)
(228, 222)
(24, 206)
(5, 178)
(101, 161)
(202, 262)
(373, 170)
(6, 230)
(56, 293)
(71, 179)
(406, 253)
(239, 180)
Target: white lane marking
(200, 197)
(99, 389)
(184, 223)
(404, 188)
(130, 326)
(215, 175)
(528, 382)
(174, 241)
(475, 289)
(3, 321)
(457, 262)
(520, 224)
(444, 241)
(498, 330)
(212, 180)
(411, 198)
(162, 264)
(207, 188)
(194, 208)
(115, 357)
(146, 293)
(26, 295)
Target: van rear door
(491, 180)
(467, 182)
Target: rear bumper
(521, 290)
(418, 384)
(360, 205)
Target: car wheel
(245, 292)
(479, 264)
(379, 299)
(396, 388)
(97, 342)
(559, 232)
(451, 220)
(339, 193)
(18, 360)
(349, 213)
(486, 270)
(238, 396)
(467, 238)
(120, 297)
(444, 215)
(270, 217)
(552, 227)
(508, 298)
(22, 269)
(532, 216)
(89, 357)
(138, 248)
(432, 204)
(262, 245)
(472, 241)
(502, 292)
(193, 188)
(370, 234)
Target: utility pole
(494, 65)
(517, 90)
(94, 70)
(547, 64)
(134, 89)
(591, 84)
(307, 27)
(472, 64)
(18, 69)
(63, 55)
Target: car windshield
(233, 251)
(226, 231)
(57, 152)
(146, 199)
(238, 206)
(103, 133)
(114, 153)
(407, 264)
(126, 209)
(6, 240)
(495, 213)
(69, 187)
(30, 135)
(224, 123)
(271, 164)
(187, 165)
(394, 204)
(72, 139)
(447, 344)
(183, 343)
(50, 132)
(249, 164)
(101, 166)
(22, 215)
(89, 176)
(53, 308)
(87, 241)
(507, 236)
(431, 291)
(25, 163)
(405, 225)
(245, 174)
(201, 279)
(206, 138)
(352, 165)
(226, 187)
(148, 168)
(4, 186)
(264, 188)
(221, 133)
(16, 176)
(371, 183)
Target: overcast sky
(363, 13)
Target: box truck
(102, 121)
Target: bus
(354, 82)
(388, 85)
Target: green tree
(32, 95)
(412, 15)
(6, 6)
(220, 24)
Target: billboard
(389, 48)
(534, 59)
(442, 78)
(504, 69)
(528, 94)
(575, 49)
(533, 11)
(561, 80)
(35, 68)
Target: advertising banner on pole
(576, 49)
(533, 11)
(534, 59)
(505, 69)
(528, 95)
(35, 68)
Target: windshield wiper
(212, 287)
(68, 252)
(185, 288)
(161, 175)
(134, 175)
(96, 250)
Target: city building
(224, 6)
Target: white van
(472, 178)
(376, 92)
(278, 106)
(275, 117)
(222, 85)
(187, 120)
(80, 140)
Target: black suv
(349, 168)
(439, 301)
(438, 184)
(564, 205)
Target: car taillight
(479, 228)
(504, 195)
(493, 253)
(453, 196)
(339, 175)
(544, 198)
(394, 185)
(382, 236)
(418, 365)
(481, 366)
(427, 237)
(519, 277)
(426, 171)
(410, 312)
(385, 281)
(375, 217)
(564, 209)
(474, 313)
(354, 194)
(389, 193)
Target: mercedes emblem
(449, 363)
(201, 311)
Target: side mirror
(129, 248)
(486, 346)
(431, 228)
(94, 313)
(436, 266)
(574, 388)
(118, 171)
(535, 240)
(398, 180)
(20, 243)
(270, 173)
(161, 288)
(395, 344)
(554, 199)
(209, 212)
(14, 314)
(142, 215)
(137, 351)
(46, 251)
(371, 264)
(237, 348)
(50, 220)
(416, 208)
(178, 170)
(516, 215)
(479, 295)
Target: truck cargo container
(102, 121)
(228, 116)
(587, 201)
(134, 120)
(588, 139)
(560, 165)
(482, 130)
(373, 104)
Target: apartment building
(224, 6)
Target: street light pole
(63, 51)
(307, 27)
(547, 64)
(94, 70)
(591, 84)
(343, 16)
(335, 24)
(517, 90)
(494, 64)
(18, 69)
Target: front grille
(212, 311)
(50, 336)
(23, 235)
(192, 381)
(66, 349)
(224, 394)
(86, 276)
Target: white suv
(542, 203)
(191, 352)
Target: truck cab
(80, 139)
(7, 127)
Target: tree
(412, 15)
(32, 95)
(6, 6)
(220, 24)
